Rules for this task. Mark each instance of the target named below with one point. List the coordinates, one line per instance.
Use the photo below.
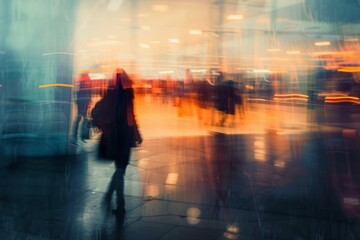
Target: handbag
(109, 142)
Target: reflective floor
(208, 182)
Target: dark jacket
(120, 132)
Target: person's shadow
(111, 225)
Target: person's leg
(76, 128)
(108, 195)
(111, 187)
(119, 176)
(118, 181)
(84, 129)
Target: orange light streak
(56, 85)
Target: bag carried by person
(103, 112)
(109, 143)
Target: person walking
(119, 134)
(83, 98)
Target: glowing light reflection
(232, 232)
(193, 215)
(56, 85)
(57, 53)
(172, 178)
(152, 191)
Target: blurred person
(203, 97)
(83, 98)
(187, 100)
(119, 134)
(226, 99)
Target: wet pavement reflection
(219, 186)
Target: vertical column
(37, 39)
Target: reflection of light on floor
(172, 178)
(161, 120)
(260, 143)
(351, 201)
(152, 191)
(193, 215)
(260, 151)
(279, 163)
(232, 232)
(260, 156)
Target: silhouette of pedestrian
(83, 97)
(119, 135)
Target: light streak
(322, 44)
(57, 53)
(56, 85)
(349, 69)
(174, 40)
(295, 96)
(342, 99)
(235, 17)
(195, 32)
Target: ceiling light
(160, 8)
(174, 40)
(235, 17)
(144, 45)
(261, 71)
(293, 52)
(195, 32)
(322, 43)
(198, 71)
(166, 72)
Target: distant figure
(226, 99)
(203, 98)
(119, 134)
(83, 98)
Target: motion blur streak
(56, 85)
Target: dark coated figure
(119, 134)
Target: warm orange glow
(292, 95)
(172, 178)
(299, 97)
(235, 17)
(322, 44)
(349, 69)
(342, 99)
(193, 215)
(56, 85)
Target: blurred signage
(97, 76)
